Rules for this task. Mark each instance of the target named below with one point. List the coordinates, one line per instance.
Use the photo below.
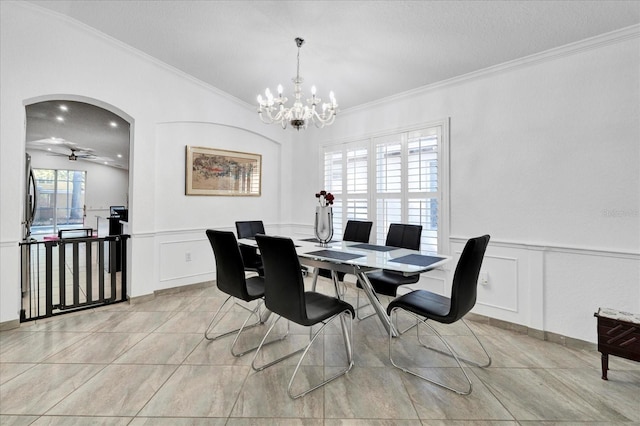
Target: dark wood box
(619, 338)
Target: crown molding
(135, 52)
(591, 43)
(574, 48)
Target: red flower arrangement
(325, 198)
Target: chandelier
(273, 110)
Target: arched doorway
(81, 150)
(77, 151)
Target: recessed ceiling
(362, 50)
(78, 129)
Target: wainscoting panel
(498, 283)
(505, 269)
(554, 290)
(578, 283)
(185, 261)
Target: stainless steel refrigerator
(30, 199)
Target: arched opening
(77, 167)
(79, 148)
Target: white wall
(184, 251)
(78, 61)
(545, 157)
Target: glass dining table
(358, 259)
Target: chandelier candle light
(273, 110)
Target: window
(391, 178)
(346, 177)
(60, 200)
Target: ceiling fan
(74, 157)
(76, 152)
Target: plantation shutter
(392, 178)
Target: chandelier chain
(298, 67)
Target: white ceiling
(362, 50)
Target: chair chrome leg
(400, 333)
(334, 279)
(262, 343)
(349, 351)
(336, 285)
(316, 272)
(488, 363)
(467, 361)
(358, 307)
(237, 331)
(346, 333)
(244, 327)
(406, 370)
(215, 316)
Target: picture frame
(212, 171)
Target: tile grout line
(168, 377)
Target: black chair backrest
(230, 276)
(249, 228)
(357, 231)
(284, 284)
(404, 236)
(465, 279)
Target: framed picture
(211, 171)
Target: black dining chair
(231, 280)
(356, 231)
(387, 282)
(250, 256)
(424, 305)
(285, 296)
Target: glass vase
(324, 224)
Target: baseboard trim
(141, 299)
(547, 336)
(9, 325)
(182, 288)
(170, 290)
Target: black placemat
(416, 259)
(338, 255)
(315, 240)
(374, 247)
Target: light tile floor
(148, 364)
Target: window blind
(392, 178)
